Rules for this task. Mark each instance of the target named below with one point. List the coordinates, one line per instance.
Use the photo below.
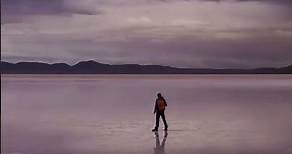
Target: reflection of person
(159, 109)
(159, 148)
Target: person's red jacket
(156, 108)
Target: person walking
(159, 108)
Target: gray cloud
(274, 1)
(178, 33)
(15, 10)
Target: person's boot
(165, 128)
(154, 130)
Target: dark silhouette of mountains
(93, 67)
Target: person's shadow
(159, 147)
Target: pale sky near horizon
(181, 33)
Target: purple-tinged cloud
(15, 10)
(194, 33)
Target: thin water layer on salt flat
(207, 114)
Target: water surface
(207, 114)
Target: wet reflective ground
(108, 114)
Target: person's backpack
(161, 104)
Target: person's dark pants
(158, 114)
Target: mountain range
(93, 67)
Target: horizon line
(145, 65)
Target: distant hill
(93, 67)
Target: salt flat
(207, 114)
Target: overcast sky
(182, 33)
